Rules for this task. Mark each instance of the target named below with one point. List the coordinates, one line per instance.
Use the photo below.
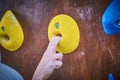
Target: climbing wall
(97, 55)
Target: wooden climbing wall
(97, 55)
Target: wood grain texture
(97, 55)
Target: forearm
(38, 77)
(39, 73)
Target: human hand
(49, 62)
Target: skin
(49, 62)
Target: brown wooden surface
(97, 55)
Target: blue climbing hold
(111, 18)
(110, 77)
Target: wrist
(38, 76)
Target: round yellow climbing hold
(11, 33)
(66, 27)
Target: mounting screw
(57, 25)
(3, 28)
(118, 22)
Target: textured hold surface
(11, 34)
(65, 26)
(97, 54)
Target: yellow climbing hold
(65, 26)
(11, 33)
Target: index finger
(53, 44)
